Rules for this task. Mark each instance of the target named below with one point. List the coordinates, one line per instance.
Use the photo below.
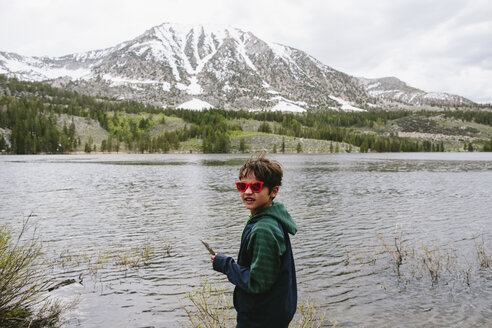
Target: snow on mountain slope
(346, 106)
(38, 69)
(172, 64)
(284, 106)
(195, 104)
(392, 89)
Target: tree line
(33, 130)
(30, 111)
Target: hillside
(36, 118)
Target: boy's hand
(213, 257)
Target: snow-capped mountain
(176, 65)
(393, 89)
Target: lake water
(346, 207)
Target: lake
(86, 208)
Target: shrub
(23, 300)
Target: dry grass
(484, 256)
(115, 259)
(211, 307)
(397, 250)
(435, 261)
(308, 317)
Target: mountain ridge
(393, 89)
(172, 64)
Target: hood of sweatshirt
(279, 213)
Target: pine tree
(71, 130)
(242, 145)
(364, 147)
(3, 144)
(87, 148)
(223, 143)
(110, 144)
(265, 127)
(299, 147)
(88, 145)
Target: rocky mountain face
(393, 89)
(171, 65)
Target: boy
(264, 275)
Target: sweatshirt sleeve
(267, 245)
(237, 274)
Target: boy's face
(256, 201)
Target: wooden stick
(210, 250)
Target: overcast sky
(434, 45)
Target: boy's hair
(266, 170)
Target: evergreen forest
(37, 118)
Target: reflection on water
(341, 203)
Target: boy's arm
(268, 247)
(237, 274)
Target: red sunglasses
(255, 186)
